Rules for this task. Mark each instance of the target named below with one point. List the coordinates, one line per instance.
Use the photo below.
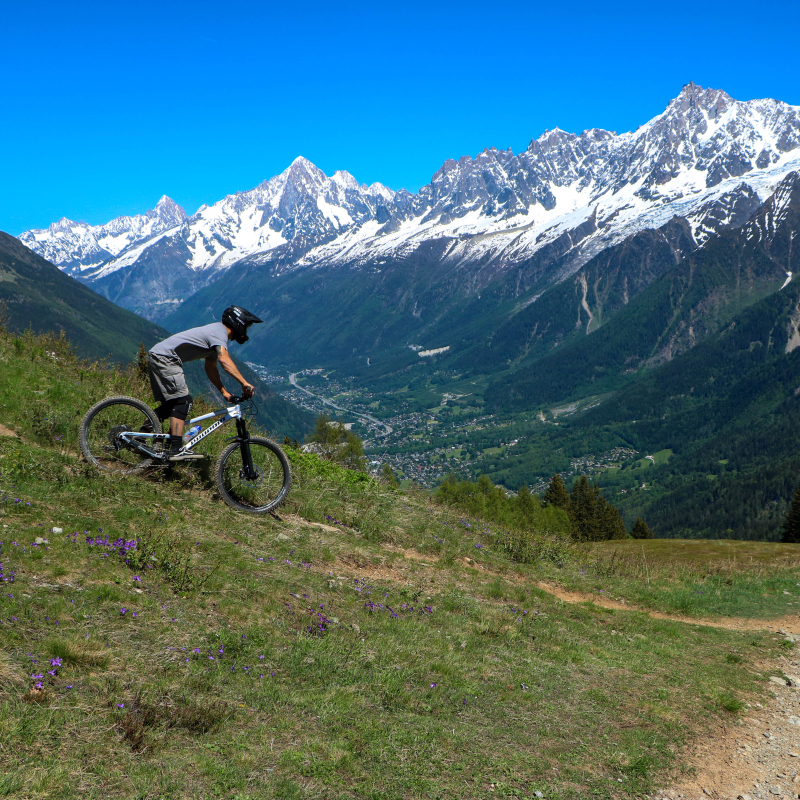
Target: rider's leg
(171, 392)
(180, 410)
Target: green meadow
(363, 642)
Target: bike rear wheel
(100, 432)
(270, 486)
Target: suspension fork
(247, 458)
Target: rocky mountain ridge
(684, 305)
(564, 199)
(76, 246)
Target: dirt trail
(756, 757)
(788, 624)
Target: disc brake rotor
(251, 481)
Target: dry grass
(720, 554)
(76, 653)
(10, 673)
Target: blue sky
(107, 106)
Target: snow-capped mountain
(567, 197)
(503, 207)
(75, 246)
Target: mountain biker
(165, 367)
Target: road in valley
(324, 401)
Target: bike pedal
(188, 456)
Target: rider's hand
(248, 390)
(227, 395)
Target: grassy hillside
(37, 296)
(364, 644)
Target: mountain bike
(123, 435)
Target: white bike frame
(227, 414)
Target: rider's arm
(227, 364)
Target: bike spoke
(109, 451)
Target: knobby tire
(98, 443)
(271, 486)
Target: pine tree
(388, 476)
(336, 443)
(613, 526)
(524, 507)
(593, 518)
(582, 510)
(557, 494)
(791, 525)
(641, 530)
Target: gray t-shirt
(194, 344)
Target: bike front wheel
(272, 481)
(100, 432)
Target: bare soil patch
(756, 757)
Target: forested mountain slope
(727, 414)
(695, 298)
(39, 296)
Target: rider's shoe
(185, 455)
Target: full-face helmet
(239, 319)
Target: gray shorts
(166, 378)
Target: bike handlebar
(238, 398)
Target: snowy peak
(730, 210)
(168, 213)
(64, 225)
(779, 217)
(284, 215)
(76, 246)
(707, 158)
(692, 97)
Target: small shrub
(640, 767)
(40, 697)
(496, 590)
(143, 714)
(311, 466)
(173, 556)
(335, 443)
(527, 547)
